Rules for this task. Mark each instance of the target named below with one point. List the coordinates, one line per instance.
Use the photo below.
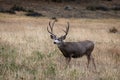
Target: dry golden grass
(37, 58)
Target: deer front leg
(88, 58)
(93, 61)
(68, 61)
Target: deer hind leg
(89, 58)
(93, 61)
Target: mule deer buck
(72, 49)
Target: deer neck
(61, 44)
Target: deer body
(76, 49)
(72, 49)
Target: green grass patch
(37, 55)
(8, 56)
(50, 71)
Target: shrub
(54, 18)
(7, 11)
(68, 8)
(18, 8)
(2, 10)
(59, 1)
(30, 10)
(116, 8)
(107, 0)
(10, 11)
(97, 7)
(113, 30)
(34, 14)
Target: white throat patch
(57, 41)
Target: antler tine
(67, 29)
(51, 28)
(53, 23)
(49, 31)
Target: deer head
(57, 40)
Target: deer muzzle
(56, 41)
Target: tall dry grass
(28, 53)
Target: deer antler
(67, 29)
(51, 28)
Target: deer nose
(54, 42)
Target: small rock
(68, 8)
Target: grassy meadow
(28, 53)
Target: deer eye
(59, 39)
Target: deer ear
(52, 36)
(63, 37)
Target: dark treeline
(72, 0)
(58, 1)
(67, 0)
